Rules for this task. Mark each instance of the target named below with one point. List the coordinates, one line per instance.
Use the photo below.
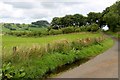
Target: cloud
(23, 5)
(49, 5)
(30, 10)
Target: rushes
(62, 46)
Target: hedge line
(70, 29)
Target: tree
(40, 23)
(112, 20)
(57, 22)
(68, 20)
(79, 20)
(93, 17)
(111, 16)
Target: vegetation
(44, 32)
(39, 24)
(12, 41)
(111, 16)
(33, 50)
(8, 72)
(116, 35)
(57, 54)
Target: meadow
(8, 42)
(33, 51)
(36, 57)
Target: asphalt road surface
(104, 65)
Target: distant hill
(5, 27)
(40, 23)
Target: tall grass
(40, 60)
(8, 42)
(61, 46)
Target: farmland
(36, 49)
(10, 41)
(29, 53)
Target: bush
(25, 33)
(9, 72)
(88, 28)
(55, 32)
(68, 30)
(77, 30)
(83, 28)
(62, 46)
(45, 33)
(94, 27)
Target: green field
(11, 41)
(35, 65)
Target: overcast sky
(27, 11)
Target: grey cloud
(49, 5)
(23, 5)
(39, 16)
(53, 5)
(5, 16)
(73, 3)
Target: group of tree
(110, 17)
(40, 24)
(76, 20)
(16, 26)
(69, 20)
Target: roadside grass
(37, 67)
(8, 42)
(41, 56)
(115, 34)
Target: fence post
(14, 50)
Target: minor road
(104, 65)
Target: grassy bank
(60, 53)
(8, 42)
(50, 62)
(114, 34)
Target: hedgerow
(66, 30)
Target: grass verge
(39, 67)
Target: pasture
(10, 41)
(36, 58)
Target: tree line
(110, 17)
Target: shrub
(88, 28)
(36, 33)
(61, 46)
(45, 33)
(9, 72)
(77, 44)
(25, 33)
(83, 28)
(77, 30)
(55, 32)
(68, 30)
(94, 27)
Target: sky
(27, 11)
